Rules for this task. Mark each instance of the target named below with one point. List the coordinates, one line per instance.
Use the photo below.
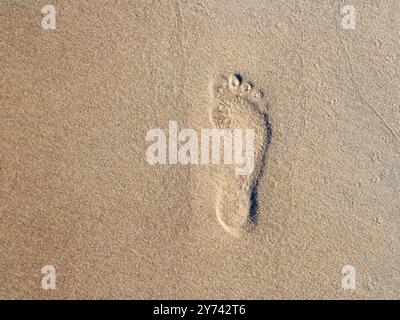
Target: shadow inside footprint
(253, 217)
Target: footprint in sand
(239, 105)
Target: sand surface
(76, 191)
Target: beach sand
(77, 192)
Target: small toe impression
(235, 81)
(247, 86)
(258, 94)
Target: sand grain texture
(76, 191)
